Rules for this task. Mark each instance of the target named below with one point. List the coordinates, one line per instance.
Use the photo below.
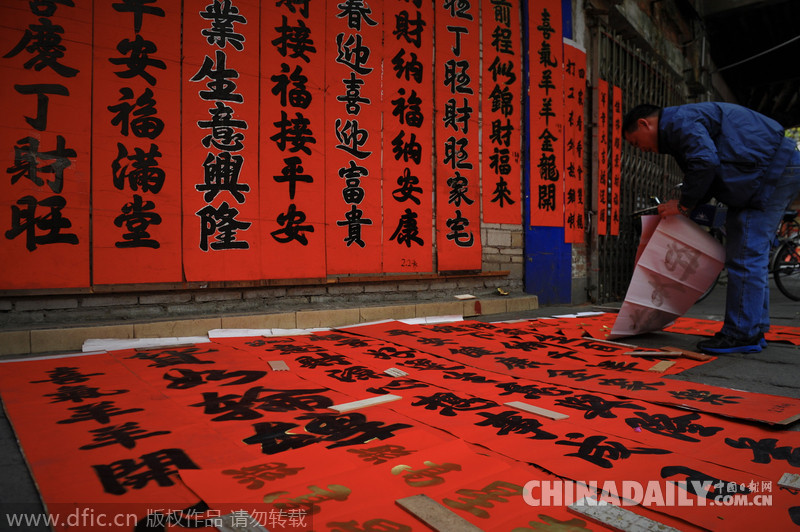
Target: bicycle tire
(786, 269)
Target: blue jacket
(725, 151)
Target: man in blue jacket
(744, 160)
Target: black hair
(643, 110)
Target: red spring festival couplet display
(546, 105)
(457, 87)
(601, 116)
(353, 41)
(293, 148)
(222, 233)
(46, 67)
(408, 137)
(501, 97)
(136, 185)
(616, 155)
(574, 131)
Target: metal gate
(643, 78)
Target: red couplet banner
(45, 141)
(353, 41)
(221, 229)
(501, 101)
(616, 156)
(136, 188)
(574, 134)
(293, 147)
(457, 88)
(601, 117)
(546, 105)
(408, 137)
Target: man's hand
(669, 208)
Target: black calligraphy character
(100, 412)
(501, 194)
(456, 117)
(352, 98)
(530, 391)
(594, 450)
(765, 449)
(67, 375)
(500, 133)
(41, 90)
(458, 8)
(505, 70)
(222, 125)
(408, 110)
(458, 233)
(78, 393)
(298, 95)
(411, 69)
(500, 160)
(139, 9)
(356, 12)
(459, 185)
(223, 15)
(291, 173)
(704, 396)
(502, 101)
(43, 41)
(125, 435)
(220, 86)
(221, 223)
(456, 77)
(294, 40)
(354, 219)
(701, 484)
(142, 172)
(353, 374)
(275, 437)
(353, 54)
(353, 193)
(27, 158)
(406, 150)
(293, 228)
(545, 27)
(407, 230)
(408, 29)
(502, 40)
(511, 421)
(26, 221)
(457, 31)
(450, 403)
(324, 359)
(295, 132)
(158, 467)
(547, 197)
(682, 258)
(678, 427)
(352, 138)
(144, 124)
(186, 378)
(455, 153)
(137, 218)
(291, 3)
(520, 363)
(595, 406)
(139, 60)
(221, 172)
(408, 187)
(473, 351)
(173, 357)
(349, 429)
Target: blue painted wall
(548, 260)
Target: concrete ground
(774, 371)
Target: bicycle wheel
(786, 269)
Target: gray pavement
(775, 371)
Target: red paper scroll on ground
(352, 126)
(46, 67)
(546, 105)
(136, 188)
(408, 137)
(293, 150)
(457, 91)
(222, 232)
(574, 133)
(501, 98)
